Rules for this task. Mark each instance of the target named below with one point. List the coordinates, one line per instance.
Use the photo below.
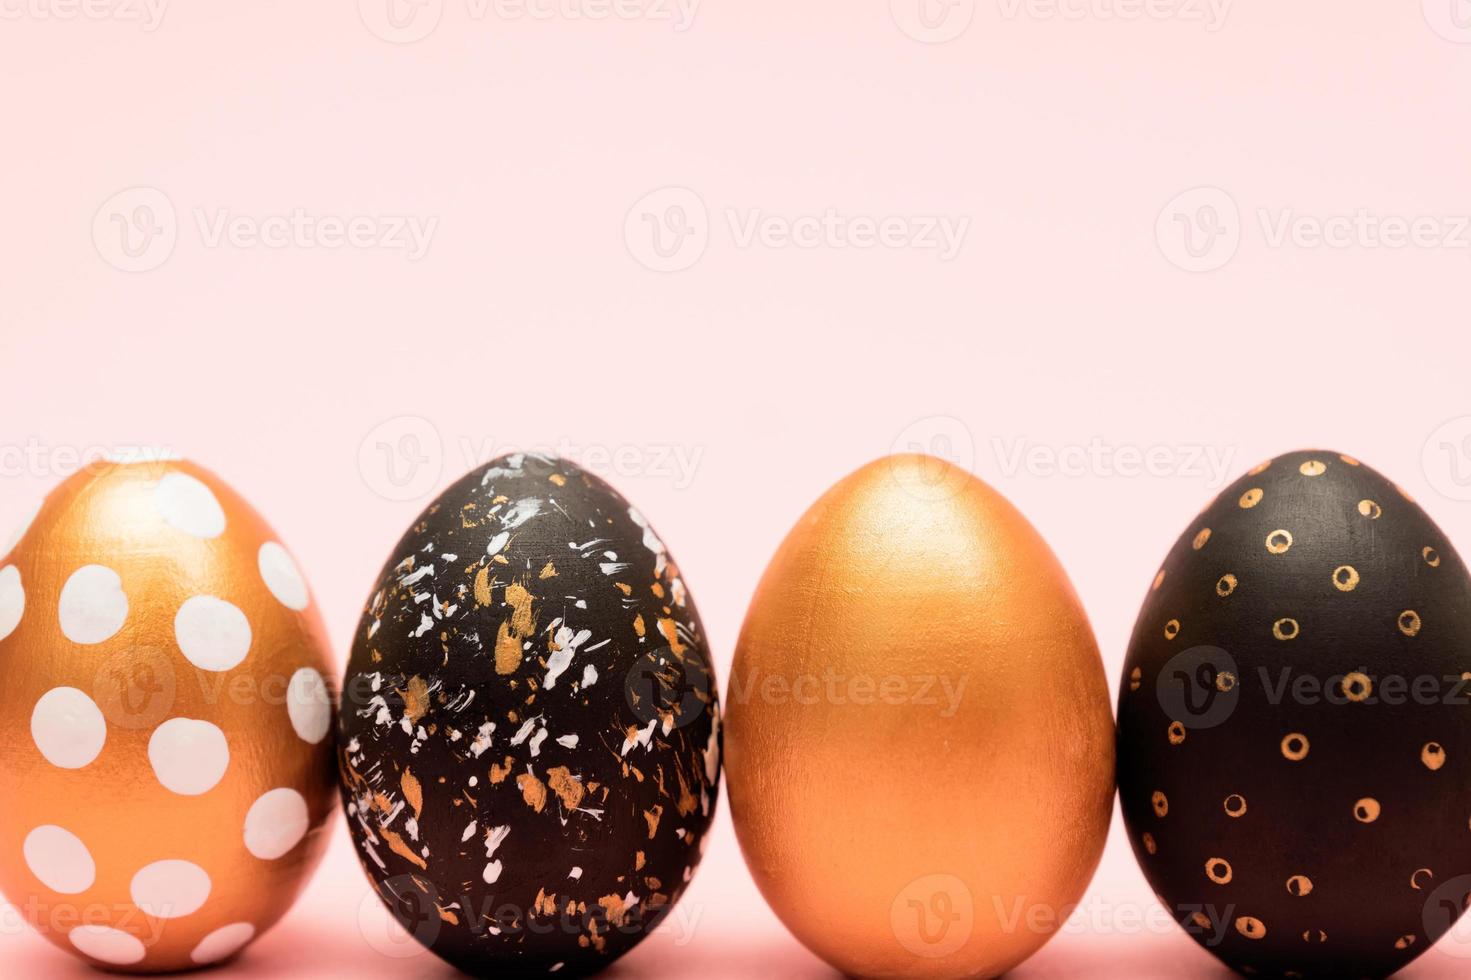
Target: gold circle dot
(1356, 686)
(1404, 942)
(1250, 927)
(1409, 622)
(1176, 732)
(1158, 581)
(1135, 677)
(1225, 682)
(1218, 870)
(1433, 755)
(1225, 585)
(1279, 541)
(1313, 467)
(1370, 509)
(1295, 746)
(1250, 498)
(1200, 919)
(1160, 803)
(1299, 885)
(1201, 538)
(1314, 936)
(1345, 578)
(1348, 459)
(1172, 629)
(1431, 556)
(1235, 805)
(1366, 810)
(1285, 629)
(1150, 847)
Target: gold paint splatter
(1405, 941)
(533, 791)
(1345, 578)
(1279, 541)
(1250, 927)
(568, 789)
(1357, 686)
(416, 699)
(1313, 467)
(1135, 679)
(1431, 556)
(624, 587)
(1225, 585)
(638, 624)
(482, 586)
(1370, 509)
(507, 651)
(1150, 847)
(1299, 885)
(396, 845)
(1348, 459)
(1159, 580)
(1176, 733)
(1160, 803)
(1218, 870)
(1286, 629)
(1234, 805)
(544, 904)
(638, 861)
(447, 915)
(1201, 538)
(519, 599)
(1295, 746)
(652, 818)
(498, 773)
(548, 571)
(1250, 498)
(1433, 755)
(671, 636)
(1366, 810)
(658, 589)
(1200, 919)
(558, 479)
(1172, 629)
(1409, 622)
(513, 632)
(615, 908)
(413, 792)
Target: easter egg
(530, 742)
(919, 740)
(166, 720)
(1294, 731)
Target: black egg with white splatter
(530, 747)
(1295, 724)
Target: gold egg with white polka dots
(166, 713)
(1294, 748)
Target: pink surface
(1175, 247)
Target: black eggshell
(1295, 726)
(530, 742)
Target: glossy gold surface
(920, 747)
(139, 678)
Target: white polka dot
(189, 757)
(25, 525)
(223, 943)
(282, 577)
(214, 634)
(187, 504)
(309, 705)
(68, 728)
(12, 600)
(170, 889)
(276, 823)
(60, 860)
(107, 945)
(93, 606)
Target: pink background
(537, 316)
